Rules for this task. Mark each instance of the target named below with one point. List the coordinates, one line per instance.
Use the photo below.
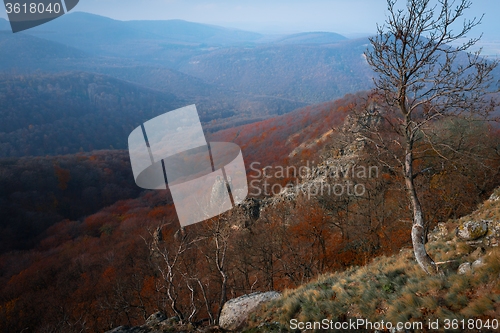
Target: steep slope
(112, 268)
(278, 139)
(37, 192)
(394, 290)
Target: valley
(333, 162)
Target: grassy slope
(395, 289)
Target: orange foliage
(63, 176)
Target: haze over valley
(327, 229)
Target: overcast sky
(279, 16)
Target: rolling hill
(307, 68)
(23, 53)
(238, 107)
(306, 73)
(92, 33)
(37, 192)
(70, 112)
(184, 32)
(159, 42)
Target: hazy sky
(281, 16)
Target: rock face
(464, 268)
(440, 232)
(235, 312)
(493, 229)
(155, 318)
(472, 230)
(125, 329)
(156, 323)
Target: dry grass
(394, 289)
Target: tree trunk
(418, 229)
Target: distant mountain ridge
(242, 70)
(104, 36)
(306, 73)
(235, 76)
(311, 38)
(190, 32)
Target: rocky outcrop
(126, 329)
(479, 232)
(156, 318)
(234, 316)
(440, 232)
(156, 323)
(465, 268)
(235, 312)
(478, 263)
(472, 230)
(468, 267)
(493, 234)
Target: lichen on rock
(472, 230)
(235, 312)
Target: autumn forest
(84, 249)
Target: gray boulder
(472, 230)
(151, 325)
(478, 263)
(464, 268)
(235, 312)
(155, 318)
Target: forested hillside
(128, 260)
(72, 112)
(298, 68)
(84, 249)
(326, 71)
(22, 53)
(36, 193)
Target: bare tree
(219, 230)
(166, 258)
(424, 76)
